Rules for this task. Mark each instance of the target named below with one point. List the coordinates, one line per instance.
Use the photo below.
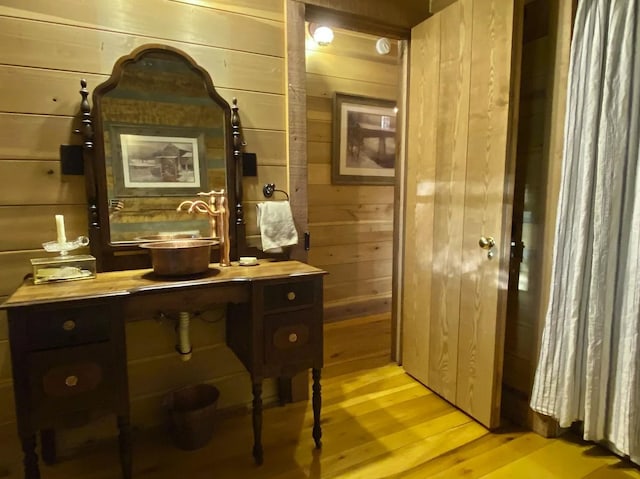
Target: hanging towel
(277, 229)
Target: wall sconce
(383, 46)
(321, 34)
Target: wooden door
(458, 190)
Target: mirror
(157, 135)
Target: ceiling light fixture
(321, 34)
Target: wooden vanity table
(68, 342)
(157, 113)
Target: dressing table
(68, 345)
(68, 340)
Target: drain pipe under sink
(184, 342)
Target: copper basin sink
(180, 257)
(168, 237)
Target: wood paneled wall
(351, 226)
(45, 49)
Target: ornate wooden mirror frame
(138, 87)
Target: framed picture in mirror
(364, 140)
(157, 161)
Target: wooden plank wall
(45, 49)
(351, 226)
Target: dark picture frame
(157, 161)
(364, 140)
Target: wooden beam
(378, 17)
(399, 206)
(436, 5)
(296, 95)
(354, 22)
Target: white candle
(62, 237)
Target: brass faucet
(217, 210)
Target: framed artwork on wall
(364, 140)
(157, 162)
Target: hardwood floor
(377, 423)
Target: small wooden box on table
(68, 344)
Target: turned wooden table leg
(30, 460)
(124, 440)
(257, 422)
(48, 446)
(317, 404)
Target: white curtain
(589, 366)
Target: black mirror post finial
(85, 109)
(238, 144)
(86, 130)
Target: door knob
(486, 242)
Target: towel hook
(269, 188)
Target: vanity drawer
(48, 329)
(68, 380)
(293, 337)
(289, 295)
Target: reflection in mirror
(162, 135)
(163, 142)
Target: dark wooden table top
(124, 283)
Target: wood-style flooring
(377, 423)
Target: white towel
(277, 229)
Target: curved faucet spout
(197, 206)
(218, 214)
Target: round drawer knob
(71, 381)
(293, 337)
(291, 295)
(69, 325)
